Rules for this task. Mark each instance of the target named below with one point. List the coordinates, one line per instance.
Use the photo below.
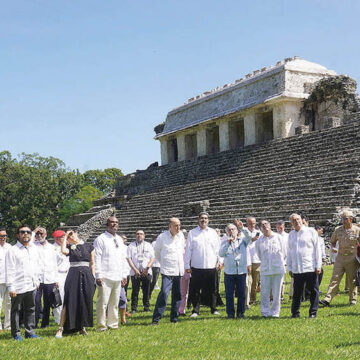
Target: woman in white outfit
(272, 252)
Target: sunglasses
(25, 232)
(3, 236)
(39, 234)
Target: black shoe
(294, 316)
(182, 314)
(155, 323)
(147, 310)
(174, 321)
(324, 303)
(230, 317)
(312, 316)
(240, 316)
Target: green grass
(333, 335)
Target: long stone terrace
(315, 173)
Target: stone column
(224, 139)
(181, 147)
(287, 117)
(201, 141)
(164, 151)
(279, 122)
(249, 129)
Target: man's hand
(249, 270)
(334, 250)
(145, 272)
(137, 272)
(99, 282)
(12, 294)
(255, 238)
(123, 282)
(239, 224)
(57, 285)
(318, 271)
(218, 266)
(188, 271)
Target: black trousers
(203, 281)
(45, 291)
(312, 281)
(144, 282)
(25, 301)
(155, 276)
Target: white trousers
(57, 311)
(108, 298)
(248, 289)
(271, 283)
(5, 298)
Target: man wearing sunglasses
(22, 279)
(4, 293)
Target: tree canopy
(41, 190)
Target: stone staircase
(316, 173)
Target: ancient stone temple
(284, 139)
(263, 106)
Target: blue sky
(87, 81)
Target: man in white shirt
(4, 293)
(63, 265)
(202, 260)
(169, 251)
(280, 229)
(110, 275)
(141, 257)
(304, 264)
(271, 251)
(48, 276)
(254, 280)
(22, 279)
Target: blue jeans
(237, 284)
(168, 283)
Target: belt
(79, 263)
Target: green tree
(79, 203)
(104, 180)
(32, 188)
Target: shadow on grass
(341, 345)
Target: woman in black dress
(77, 312)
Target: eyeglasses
(25, 232)
(39, 234)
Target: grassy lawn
(333, 335)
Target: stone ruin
(297, 149)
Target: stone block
(331, 122)
(302, 129)
(194, 208)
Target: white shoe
(101, 329)
(194, 315)
(216, 313)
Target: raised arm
(92, 262)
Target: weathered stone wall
(94, 223)
(331, 102)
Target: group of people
(189, 263)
